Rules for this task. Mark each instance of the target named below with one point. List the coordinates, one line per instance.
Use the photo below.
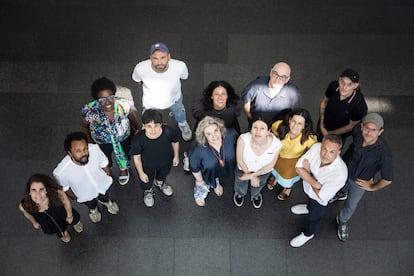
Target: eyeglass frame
(281, 77)
(106, 99)
(373, 130)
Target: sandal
(124, 179)
(284, 194)
(66, 237)
(219, 190)
(271, 182)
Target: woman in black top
(219, 101)
(46, 206)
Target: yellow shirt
(292, 148)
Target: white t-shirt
(256, 162)
(332, 176)
(160, 90)
(86, 181)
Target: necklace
(220, 161)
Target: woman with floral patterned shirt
(106, 121)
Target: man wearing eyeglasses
(342, 107)
(367, 155)
(271, 96)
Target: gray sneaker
(186, 131)
(95, 215)
(111, 206)
(164, 187)
(149, 198)
(342, 230)
(78, 227)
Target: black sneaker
(257, 202)
(342, 230)
(238, 200)
(340, 197)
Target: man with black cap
(367, 155)
(343, 106)
(161, 76)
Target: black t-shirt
(338, 113)
(158, 152)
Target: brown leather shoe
(284, 194)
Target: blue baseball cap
(160, 47)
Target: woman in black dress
(46, 206)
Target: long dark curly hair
(52, 188)
(284, 129)
(232, 97)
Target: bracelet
(70, 216)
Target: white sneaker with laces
(164, 187)
(300, 240)
(149, 198)
(300, 209)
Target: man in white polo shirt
(85, 176)
(323, 173)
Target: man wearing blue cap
(367, 155)
(160, 77)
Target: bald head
(282, 68)
(279, 75)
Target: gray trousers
(241, 186)
(355, 194)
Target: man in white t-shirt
(323, 173)
(160, 77)
(85, 176)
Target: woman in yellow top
(297, 136)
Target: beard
(83, 160)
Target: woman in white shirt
(256, 154)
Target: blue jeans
(241, 186)
(355, 194)
(177, 110)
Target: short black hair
(102, 84)
(74, 136)
(151, 115)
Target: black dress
(53, 220)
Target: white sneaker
(186, 163)
(164, 187)
(185, 131)
(111, 206)
(300, 240)
(149, 198)
(95, 215)
(300, 209)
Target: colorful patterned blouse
(102, 131)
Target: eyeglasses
(281, 77)
(107, 99)
(373, 130)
